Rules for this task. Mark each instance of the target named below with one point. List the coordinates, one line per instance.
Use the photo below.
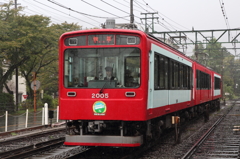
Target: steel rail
(193, 149)
(31, 149)
(32, 134)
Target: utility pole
(16, 66)
(131, 12)
(131, 15)
(35, 92)
(16, 79)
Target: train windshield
(102, 68)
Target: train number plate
(98, 95)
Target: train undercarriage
(133, 133)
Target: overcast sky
(173, 14)
(181, 15)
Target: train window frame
(217, 83)
(166, 73)
(203, 80)
(186, 77)
(161, 72)
(161, 68)
(209, 82)
(180, 76)
(190, 78)
(172, 74)
(176, 75)
(133, 78)
(156, 73)
(171, 70)
(198, 79)
(80, 41)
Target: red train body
(152, 82)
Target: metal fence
(9, 122)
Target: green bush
(6, 102)
(55, 101)
(6, 98)
(49, 100)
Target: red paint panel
(160, 111)
(118, 106)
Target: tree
(221, 61)
(30, 43)
(48, 75)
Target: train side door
(150, 80)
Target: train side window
(176, 74)
(190, 78)
(205, 81)
(209, 82)
(201, 80)
(161, 72)
(172, 74)
(216, 83)
(198, 79)
(184, 76)
(166, 73)
(181, 76)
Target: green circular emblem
(99, 107)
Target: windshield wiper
(101, 90)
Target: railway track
(38, 142)
(22, 144)
(30, 150)
(221, 140)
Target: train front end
(102, 87)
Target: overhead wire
(162, 24)
(54, 2)
(68, 15)
(84, 14)
(128, 3)
(64, 12)
(224, 13)
(145, 3)
(127, 6)
(49, 17)
(134, 10)
(122, 11)
(36, 8)
(114, 6)
(137, 4)
(116, 16)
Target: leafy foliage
(31, 44)
(223, 62)
(49, 100)
(6, 102)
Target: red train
(122, 87)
